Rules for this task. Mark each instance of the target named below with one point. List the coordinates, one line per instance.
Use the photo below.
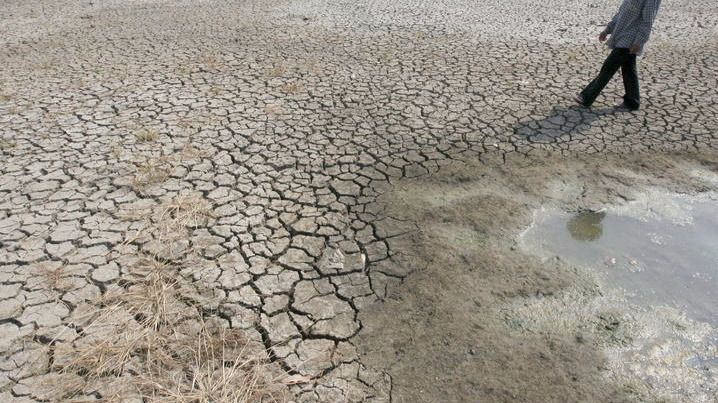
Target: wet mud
(662, 250)
(482, 318)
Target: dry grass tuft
(6, 144)
(154, 170)
(55, 278)
(147, 135)
(273, 109)
(211, 365)
(148, 340)
(190, 152)
(189, 210)
(292, 88)
(212, 62)
(150, 173)
(116, 152)
(277, 71)
(162, 349)
(43, 66)
(185, 123)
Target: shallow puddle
(662, 250)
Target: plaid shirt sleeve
(648, 15)
(611, 25)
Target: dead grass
(116, 152)
(6, 144)
(277, 71)
(55, 278)
(188, 209)
(185, 123)
(292, 88)
(214, 366)
(273, 109)
(145, 340)
(155, 170)
(151, 172)
(212, 62)
(149, 340)
(147, 135)
(190, 152)
(184, 70)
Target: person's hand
(634, 49)
(602, 37)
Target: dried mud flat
(194, 196)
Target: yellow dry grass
(292, 88)
(6, 144)
(147, 135)
(148, 340)
(151, 172)
(55, 278)
(277, 71)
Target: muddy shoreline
(481, 320)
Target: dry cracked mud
(221, 170)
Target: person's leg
(610, 67)
(632, 98)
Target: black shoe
(578, 98)
(623, 107)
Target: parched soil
(212, 177)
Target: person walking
(629, 31)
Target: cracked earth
(244, 146)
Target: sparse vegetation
(187, 210)
(148, 339)
(212, 62)
(6, 144)
(185, 123)
(277, 71)
(147, 135)
(151, 172)
(191, 152)
(116, 152)
(292, 88)
(54, 278)
(272, 109)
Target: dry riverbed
(194, 199)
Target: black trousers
(619, 58)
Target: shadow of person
(560, 122)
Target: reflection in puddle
(662, 252)
(586, 226)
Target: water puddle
(662, 250)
